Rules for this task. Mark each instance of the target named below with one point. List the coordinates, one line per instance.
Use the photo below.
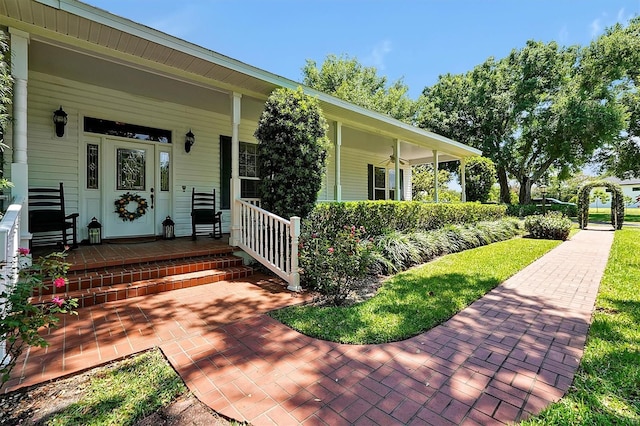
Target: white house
(630, 188)
(131, 94)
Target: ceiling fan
(392, 160)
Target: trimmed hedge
(382, 217)
(523, 210)
(552, 226)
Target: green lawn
(603, 214)
(606, 388)
(125, 394)
(419, 299)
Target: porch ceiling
(108, 46)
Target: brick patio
(505, 357)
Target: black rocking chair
(203, 212)
(48, 219)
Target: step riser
(105, 278)
(97, 296)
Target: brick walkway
(505, 357)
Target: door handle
(151, 197)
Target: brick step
(111, 293)
(110, 276)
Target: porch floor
(127, 251)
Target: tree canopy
(612, 67)
(292, 152)
(528, 112)
(345, 78)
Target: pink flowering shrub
(19, 319)
(333, 264)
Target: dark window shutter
(225, 172)
(401, 184)
(370, 180)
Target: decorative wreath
(121, 206)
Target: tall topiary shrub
(480, 176)
(292, 152)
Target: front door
(129, 189)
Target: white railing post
(294, 274)
(271, 240)
(9, 261)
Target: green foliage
(20, 321)
(524, 210)
(422, 185)
(605, 388)
(480, 176)
(6, 85)
(125, 394)
(527, 112)
(345, 78)
(292, 152)
(419, 299)
(598, 196)
(399, 251)
(611, 64)
(381, 217)
(617, 203)
(551, 226)
(333, 264)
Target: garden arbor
(617, 203)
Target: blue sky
(415, 40)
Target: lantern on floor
(95, 232)
(168, 229)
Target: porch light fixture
(189, 140)
(168, 229)
(95, 232)
(59, 120)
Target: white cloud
(377, 56)
(563, 35)
(596, 27)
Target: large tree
(612, 67)
(292, 152)
(345, 78)
(528, 112)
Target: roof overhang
(95, 32)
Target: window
(382, 183)
(248, 171)
(164, 171)
(92, 166)
(126, 130)
(249, 177)
(635, 188)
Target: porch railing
(9, 262)
(271, 240)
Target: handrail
(271, 240)
(9, 261)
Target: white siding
(52, 159)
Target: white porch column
(463, 165)
(396, 153)
(19, 166)
(337, 191)
(234, 239)
(435, 176)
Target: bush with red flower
(20, 320)
(334, 264)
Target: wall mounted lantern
(189, 140)
(168, 229)
(59, 120)
(95, 232)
